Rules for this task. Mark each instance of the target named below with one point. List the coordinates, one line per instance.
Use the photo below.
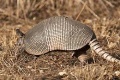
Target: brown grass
(103, 16)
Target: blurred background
(28, 11)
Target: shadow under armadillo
(26, 57)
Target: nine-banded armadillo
(61, 33)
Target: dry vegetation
(102, 15)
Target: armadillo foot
(83, 58)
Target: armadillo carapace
(62, 33)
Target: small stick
(81, 10)
(90, 10)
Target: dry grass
(103, 16)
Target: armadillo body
(57, 33)
(61, 33)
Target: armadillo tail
(94, 44)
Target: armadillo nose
(94, 44)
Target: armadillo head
(20, 41)
(19, 46)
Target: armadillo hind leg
(94, 44)
(84, 58)
(81, 54)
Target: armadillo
(62, 33)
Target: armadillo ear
(20, 33)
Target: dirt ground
(103, 16)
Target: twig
(81, 10)
(90, 10)
(18, 19)
(109, 3)
(104, 5)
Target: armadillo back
(57, 33)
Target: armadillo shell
(57, 33)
